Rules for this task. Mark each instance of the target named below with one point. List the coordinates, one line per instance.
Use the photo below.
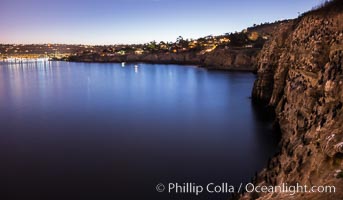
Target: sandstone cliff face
(300, 74)
(226, 59)
(242, 59)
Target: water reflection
(86, 130)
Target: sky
(106, 22)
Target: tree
(179, 39)
(152, 45)
(238, 39)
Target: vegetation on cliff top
(327, 7)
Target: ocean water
(110, 131)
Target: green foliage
(152, 46)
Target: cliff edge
(238, 59)
(300, 74)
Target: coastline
(221, 59)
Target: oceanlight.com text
(212, 188)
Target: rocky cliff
(242, 59)
(300, 74)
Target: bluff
(241, 59)
(300, 75)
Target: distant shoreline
(231, 60)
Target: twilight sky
(135, 21)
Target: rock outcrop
(300, 74)
(241, 59)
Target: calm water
(103, 131)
